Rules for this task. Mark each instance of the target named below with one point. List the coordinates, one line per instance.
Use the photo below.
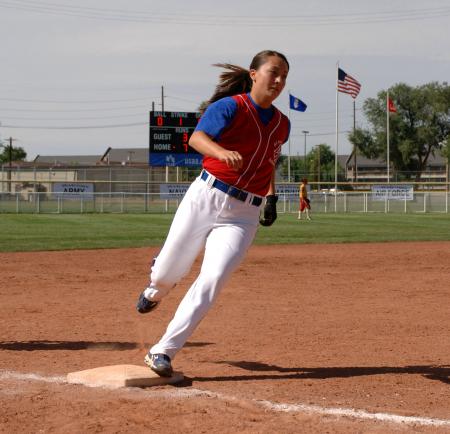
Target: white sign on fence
(287, 191)
(171, 191)
(392, 192)
(74, 190)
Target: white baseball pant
(226, 227)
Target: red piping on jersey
(259, 144)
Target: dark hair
(236, 79)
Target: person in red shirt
(240, 136)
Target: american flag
(347, 84)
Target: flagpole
(337, 138)
(387, 137)
(355, 173)
(289, 141)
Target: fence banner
(287, 192)
(172, 191)
(74, 190)
(392, 192)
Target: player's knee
(214, 280)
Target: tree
(17, 153)
(419, 129)
(296, 166)
(446, 149)
(322, 151)
(320, 160)
(446, 154)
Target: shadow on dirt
(79, 345)
(432, 372)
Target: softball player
(305, 205)
(240, 135)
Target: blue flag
(296, 104)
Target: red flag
(392, 108)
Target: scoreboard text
(169, 138)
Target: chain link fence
(123, 189)
(167, 202)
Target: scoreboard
(169, 138)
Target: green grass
(28, 232)
(354, 228)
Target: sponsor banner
(392, 192)
(74, 190)
(287, 191)
(172, 191)
(181, 160)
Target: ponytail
(234, 80)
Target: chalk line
(268, 405)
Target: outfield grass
(25, 232)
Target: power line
(329, 112)
(75, 102)
(90, 89)
(84, 127)
(182, 99)
(225, 20)
(302, 122)
(322, 134)
(73, 118)
(74, 110)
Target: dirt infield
(300, 338)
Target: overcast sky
(67, 66)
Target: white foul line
(273, 406)
(356, 414)
(11, 375)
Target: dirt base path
(298, 331)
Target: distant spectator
(305, 205)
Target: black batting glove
(269, 214)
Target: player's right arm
(216, 118)
(202, 143)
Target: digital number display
(174, 119)
(170, 132)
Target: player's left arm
(270, 208)
(272, 189)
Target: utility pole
(318, 168)
(304, 153)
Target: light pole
(304, 153)
(318, 168)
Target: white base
(122, 376)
